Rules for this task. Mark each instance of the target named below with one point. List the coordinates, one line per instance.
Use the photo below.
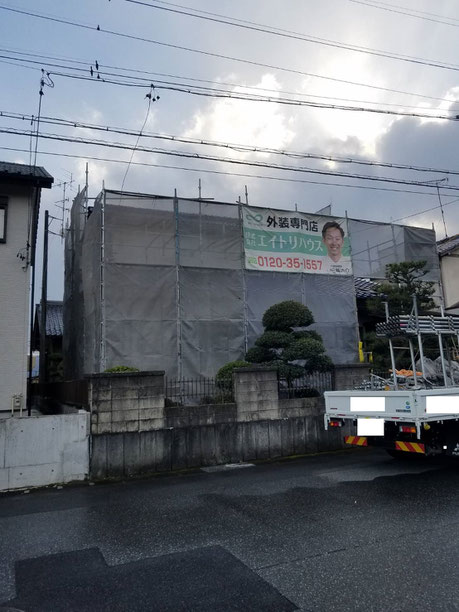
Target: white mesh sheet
(331, 300)
(76, 267)
(135, 235)
(420, 245)
(91, 292)
(208, 345)
(155, 321)
(373, 246)
(140, 317)
(209, 235)
(212, 330)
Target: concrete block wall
(126, 402)
(176, 448)
(206, 435)
(256, 394)
(43, 450)
(207, 414)
(258, 426)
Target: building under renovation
(181, 285)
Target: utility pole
(43, 374)
(61, 206)
(86, 203)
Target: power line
(421, 212)
(223, 19)
(223, 173)
(209, 92)
(87, 65)
(403, 11)
(233, 146)
(258, 164)
(151, 98)
(201, 52)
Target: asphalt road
(354, 530)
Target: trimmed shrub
(304, 348)
(258, 354)
(121, 369)
(274, 339)
(285, 315)
(226, 372)
(319, 363)
(308, 334)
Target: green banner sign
(284, 241)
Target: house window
(3, 211)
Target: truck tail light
(335, 423)
(407, 429)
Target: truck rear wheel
(403, 455)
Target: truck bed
(416, 406)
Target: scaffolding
(415, 327)
(161, 283)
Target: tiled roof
(54, 318)
(447, 245)
(24, 172)
(365, 288)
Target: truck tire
(403, 455)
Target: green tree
(403, 281)
(285, 343)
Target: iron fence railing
(310, 385)
(197, 391)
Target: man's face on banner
(333, 241)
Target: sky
(138, 66)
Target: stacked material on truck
(401, 325)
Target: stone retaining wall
(258, 426)
(126, 402)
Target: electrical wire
(182, 78)
(228, 160)
(233, 146)
(222, 94)
(201, 52)
(422, 212)
(223, 19)
(403, 11)
(150, 99)
(223, 173)
(263, 177)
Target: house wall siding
(14, 298)
(450, 278)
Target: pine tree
(287, 344)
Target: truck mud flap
(356, 440)
(410, 447)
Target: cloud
(236, 121)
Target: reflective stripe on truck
(410, 447)
(356, 440)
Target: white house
(20, 189)
(448, 252)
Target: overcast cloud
(377, 137)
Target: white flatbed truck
(419, 419)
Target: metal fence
(197, 391)
(310, 385)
